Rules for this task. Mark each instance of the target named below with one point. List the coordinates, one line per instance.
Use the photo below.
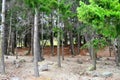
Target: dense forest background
(89, 25)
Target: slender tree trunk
(32, 40)
(88, 38)
(58, 40)
(9, 37)
(118, 51)
(36, 70)
(16, 50)
(42, 35)
(2, 37)
(39, 55)
(78, 43)
(52, 43)
(58, 49)
(93, 57)
(13, 43)
(66, 38)
(65, 34)
(72, 44)
(51, 36)
(25, 41)
(93, 54)
(116, 58)
(29, 50)
(6, 39)
(90, 51)
(110, 47)
(20, 42)
(118, 44)
(62, 48)
(110, 50)
(29, 43)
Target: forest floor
(73, 68)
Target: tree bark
(62, 48)
(118, 51)
(78, 36)
(3, 37)
(58, 40)
(51, 37)
(9, 37)
(71, 44)
(13, 41)
(42, 24)
(39, 55)
(65, 34)
(88, 37)
(6, 39)
(25, 41)
(93, 54)
(52, 43)
(118, 43)
(32, 40)
(16, 50)
(58, 49)
(36, 70)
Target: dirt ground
(73, 68)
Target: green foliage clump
(103, 16)
(42, 5)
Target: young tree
(34, 5)
(101, 15)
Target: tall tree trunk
(40, 56)
(9, 37)
(78, 38)
(28, 40)
(16, 50)
(65, 34)
(62, 48)
(58, 40)
(36, 70)
(58, 49)
(118, 51)
(88, 37)
(25, 41)
(66, 38)
(93, 54)
(6, 39)
(29, 50)
(13, 42)
(51, 36)
(116, 58)
(32, 40)
(3, 37)
(52, 43)
(110, 47)
(71, 43)
(42, 35)
(118, 44)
